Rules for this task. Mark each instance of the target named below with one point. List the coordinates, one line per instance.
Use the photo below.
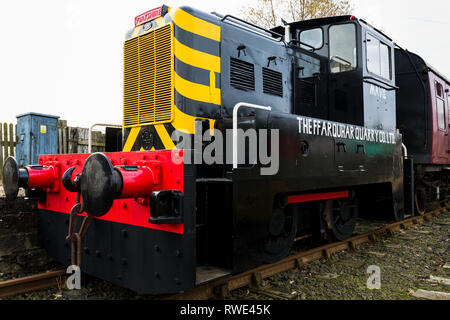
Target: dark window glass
(448, 102)
(439, 91)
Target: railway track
(32, 283)
(221, 288)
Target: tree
(268, 13)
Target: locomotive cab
(356, 80)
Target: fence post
(5, 140)
(60, 147)
(1, 152)
(11, 140)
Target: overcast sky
(64, 57)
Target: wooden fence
(76, 140)
(8, 140)
(70, 140)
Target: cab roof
(313, 22)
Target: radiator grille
(148, 80)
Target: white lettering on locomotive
(344, 131)
(378, 92)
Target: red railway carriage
(440, 100)
(423, 118)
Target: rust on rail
(213, 289)
(31, 283)
(221, 287)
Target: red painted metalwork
(40, 178)
(317, 197)
(135, 211)
(137, 184)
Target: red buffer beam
(318, 197)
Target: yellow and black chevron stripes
(130, 138)
(164, 136)
(196, 91)
(151, 137)
(196, 58)
(193, 34)
(161, 139)
(195, 25)
(196, 79)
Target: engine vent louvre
(242, 75)
(272, 82)
(307, 91)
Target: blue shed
(36, 134)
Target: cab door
(439, 151)
(447, 91)
(344, 90)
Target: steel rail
(31, 283)
(221, 288)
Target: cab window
(448, 103)
(312, 37)
(342, 53)
(440, 105)
(441, 114)
(378, 57)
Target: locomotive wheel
(419, 201)
(282, 231)
(340, 216)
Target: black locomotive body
(317, 98)
(331, 118)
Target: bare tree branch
(267, 13)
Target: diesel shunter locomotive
(346, 115)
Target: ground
(407, 260)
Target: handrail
(392, 87)
(235, 115)
(98, 125)
(312, 49)
(273, 33)
(405, 150)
